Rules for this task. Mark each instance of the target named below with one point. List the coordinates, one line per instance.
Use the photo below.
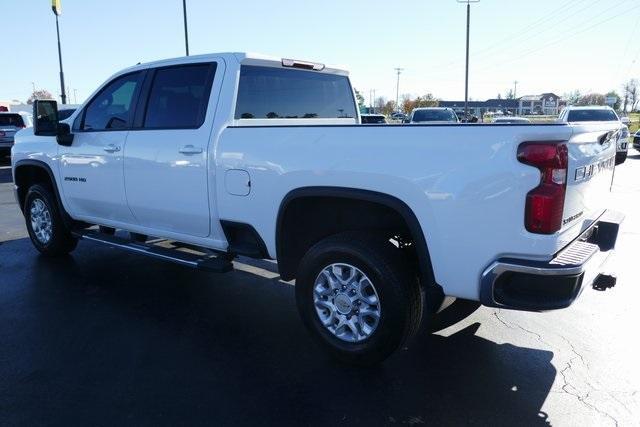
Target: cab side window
(112, 107)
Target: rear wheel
(358, 297)
(46, 227)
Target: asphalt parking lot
(104, 337)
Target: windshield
(592, 116)
(11, 120)
(434, 116)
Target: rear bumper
(548, 285)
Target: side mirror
(64, 135)
(45, 116)
(45, 113)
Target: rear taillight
(545, 203)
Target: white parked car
(200, 159)
(433, 115)
(599, 113)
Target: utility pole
(33, 85)
(515, 86)
(398, 71)
(466, 73)
(75, 96)
(57, 10)
(186, 34)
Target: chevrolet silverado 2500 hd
(197, 160)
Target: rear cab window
(268, 93)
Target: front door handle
(111, 148)
(190, 149)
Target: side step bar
(166, 250)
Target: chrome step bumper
(547, 285)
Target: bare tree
(39, 94)
(592, 99)
(630, 93)
(572, 97)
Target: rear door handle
(190, 149)
(111, 148)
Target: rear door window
(276, 93)
(179, 96)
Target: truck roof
(244, 58)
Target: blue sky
(547, 45)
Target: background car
(10, 123)
(507, 119)
(636, 140)
(65, 111)
(372, 119)
(399, 116)
(433, 115)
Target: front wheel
(358, 297)
(47, 230)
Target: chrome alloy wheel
(40, 221)
(346, 302)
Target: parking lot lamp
(186, 34)
(398, 71)
(466, 73)
(57, 10)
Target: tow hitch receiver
(604, 282)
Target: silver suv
(10, 123)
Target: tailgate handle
(607, 137)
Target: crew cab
(600, 113)
(200, 159)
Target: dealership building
(546, 103)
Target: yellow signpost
(56, 7)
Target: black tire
(396, 283)
(61, 242)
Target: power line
(554, 42)
(545, 18)
(556, 39)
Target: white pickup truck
(198, 160)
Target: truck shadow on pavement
(104, 337)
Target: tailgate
(592, 150)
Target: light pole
(186, 34)
(515, 86)
(75, 96)
(398, 71)
(57, 10)
(466, 73)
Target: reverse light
(545, 203)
